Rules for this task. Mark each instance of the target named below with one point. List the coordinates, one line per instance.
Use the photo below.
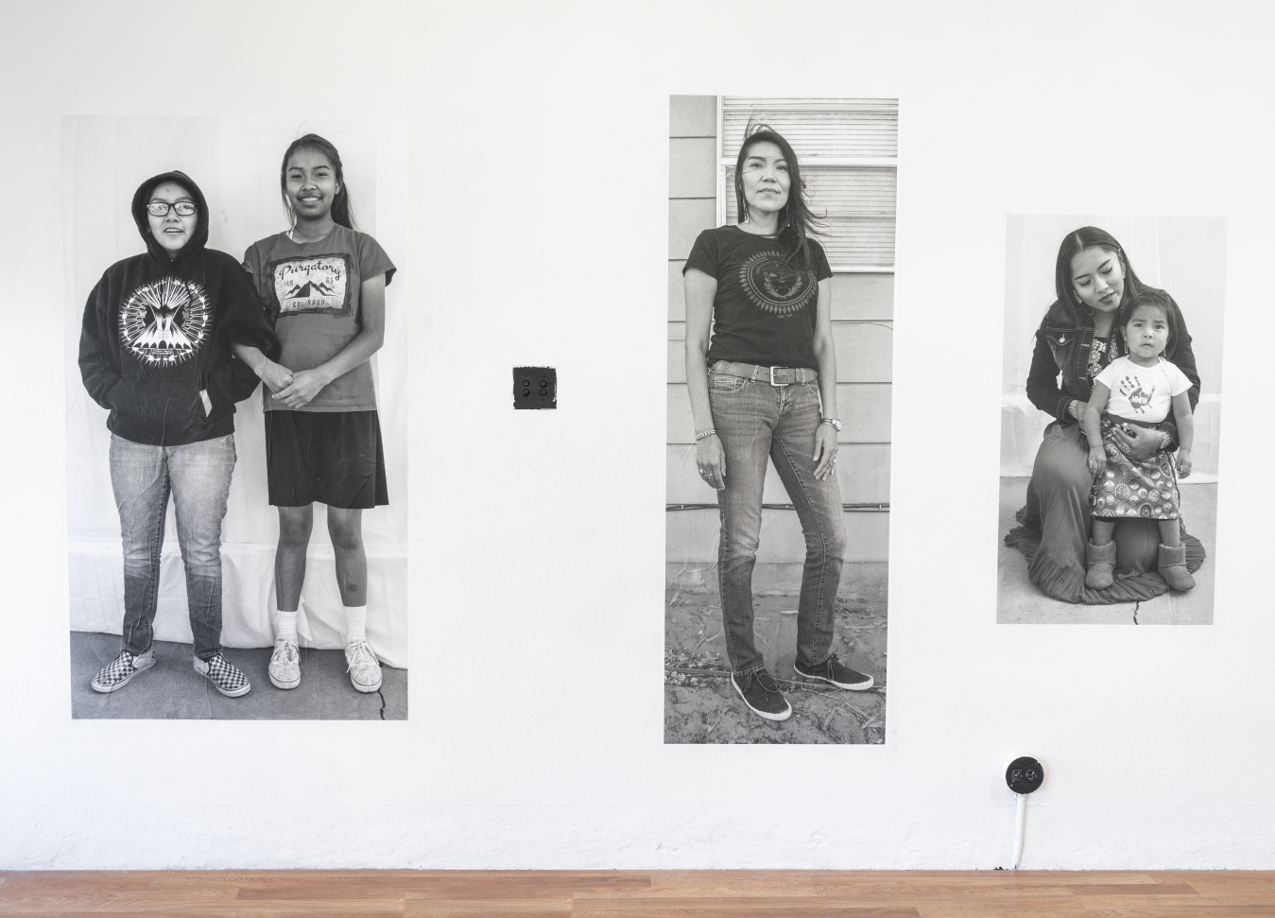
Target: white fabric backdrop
(1184, 255)
(236, 162)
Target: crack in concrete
(1136, 606)
(382, 694)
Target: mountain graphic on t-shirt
(308, 289)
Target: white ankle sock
(286, 629)
(355, 624)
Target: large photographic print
(235, 347)
(1110, 419)
(781, 288)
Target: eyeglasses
(161, 208)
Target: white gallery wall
(536, 182)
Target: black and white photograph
(781, 279)
(1110, 419)
(235, 354)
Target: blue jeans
(755, 420)
(198, 476)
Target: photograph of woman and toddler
(1116, 375)
(172, 339)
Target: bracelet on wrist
(836, 424)
(705, 434)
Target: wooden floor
(643, 894)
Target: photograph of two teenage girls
(1111, 412)
(781, 309)
(235, 329)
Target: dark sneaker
(762, 695)
(115, 675)
(834, 672)
(224, 675)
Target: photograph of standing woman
(323, 283)
(761, 370)
(763, 388)
(156, 352)
(1116, 515)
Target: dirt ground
(700, 706)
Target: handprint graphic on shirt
(1131, 388)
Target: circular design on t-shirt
(164, 323)
(775, 286)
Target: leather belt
(776, 376)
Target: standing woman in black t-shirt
(765, 385)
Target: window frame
(726, 162)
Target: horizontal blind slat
(815, 128)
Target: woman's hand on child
(1184, 463)
(825, 455)
(1141, 444)
(305, 386)
(711, 461)
(276, 377)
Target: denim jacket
(1062, 350)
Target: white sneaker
(365, 671)
(285, 665)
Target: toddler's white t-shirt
(1142, 393)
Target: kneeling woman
(766, 386)
(155, 350)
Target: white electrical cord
(1020, 823)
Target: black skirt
(332, 457)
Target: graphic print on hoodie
(157, 330)
(165, 322)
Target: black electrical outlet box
(1024, 775)
(535, 387)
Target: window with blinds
(848, 150)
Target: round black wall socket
(1024, 775)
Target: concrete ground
(700, 706)
(172, 690)
(1020, 602)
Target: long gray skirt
(1055, 528)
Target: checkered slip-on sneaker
(115, 675)
(224, 675)
(365, 671)
(285, 665)
(834, 672)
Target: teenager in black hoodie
(155, 351)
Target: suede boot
(1100, 560)
(1172, 564)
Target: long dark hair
(795, 219)
(1075, 242)
(1156, 299)
(342, 213)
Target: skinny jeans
(197, 475)
(756, 421)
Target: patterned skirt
(1129, 488)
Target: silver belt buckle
(772, 377)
